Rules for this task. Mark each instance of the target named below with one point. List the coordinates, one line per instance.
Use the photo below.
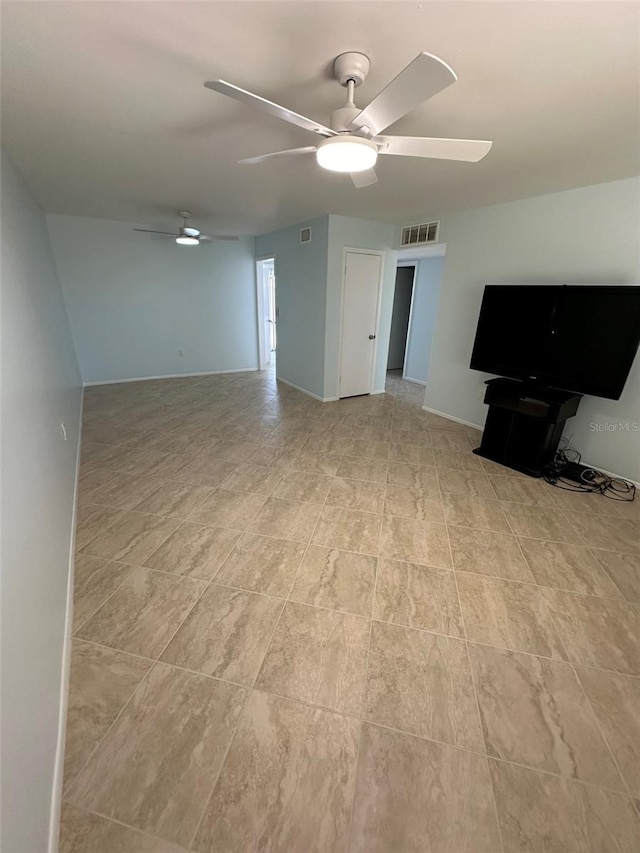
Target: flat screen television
(580, 338)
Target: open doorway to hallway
(400, 317)
(266, 303)
(416, 298)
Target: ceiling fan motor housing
(342, 117)
(351, 66)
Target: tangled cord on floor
(591, 480)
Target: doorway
(400, 317)
(361, 290)
(266, 302)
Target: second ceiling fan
(353, 142)
(187, 235)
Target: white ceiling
(105, 112)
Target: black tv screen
(580, 338)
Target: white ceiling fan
(352, 142)
(187, 236)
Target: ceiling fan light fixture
(347, 153)
(185, 240)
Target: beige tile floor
(331, 627)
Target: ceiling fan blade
(269, 107)
(208, 238)
(421, 79)
(290, 151)
(164, 233)
(364, 179)
(470, 150)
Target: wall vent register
(305, 235)
(416, 235)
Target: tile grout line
(545, 605)
(475, 692)
(213, 579)
(108, 729)
(306, 550)
(537, 585)
(590, 550)
(207, 800)
(184, 519)
(160, 485)
(83, 550)
(287, 598)
(539, 538)
(365, 719)
(570, 663)
(250, 690)
(129, 826)
(365, 686)
(594, 553)
(614, 672)
(208, 584)
(570, 780)
(267, 646)
(187, 615)
(153, 664)
(80, 550)
(589, 704)
(133, 567)
(178, 578)
(74, 631)
(627, 790)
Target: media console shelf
(524, 424)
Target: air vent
(305, 235)
(416, 235)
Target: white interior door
(361, 293)
(265, 282)
(269, 297)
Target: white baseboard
(58, 770)
(378, 392)
(415, 381)
(171, 376)
(304, 391)
(452, 418)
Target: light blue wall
(134, 300)
(301, 293)
(423, 317)
(41, 390)
(345, 232)
(583, 236)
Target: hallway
(330, 627)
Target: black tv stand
(524, 423)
